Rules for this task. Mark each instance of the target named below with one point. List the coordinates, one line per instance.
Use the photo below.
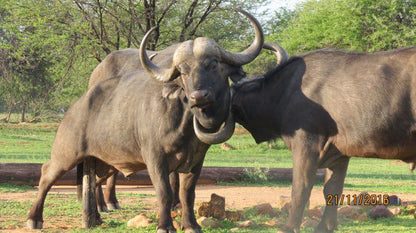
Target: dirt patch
(236, 198)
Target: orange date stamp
(360, 199)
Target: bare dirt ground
(236, 198)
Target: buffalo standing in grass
(328, 106)
(117, 64)
(160, 119)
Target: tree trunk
(23, 112)
(9, 112)
(29, 174)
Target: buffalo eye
(213, 65)
(183, 69)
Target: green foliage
(49, 48)
(362, 25)
(256, 175)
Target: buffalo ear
(236, 73)
(174, 74)
(171, 90)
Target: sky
(276, 4)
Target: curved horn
(252, 51)
(156, 72)
(279, 51)
(218, 137)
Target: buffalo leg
(159, 174)
(101, 205)
(334, 182)
(304, 172)
(51, 171)
(80, 169)
(174, 184)
(187, 199)
(110, 193)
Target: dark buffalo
(328, 106)
(117, 64)
(160, 119)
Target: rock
(396, 211)
(310, 223)
(265, 209)
(380, 211)
(314, 213)
(410, 209)
(284, 202)
(173, 214)
(217, 206)
(177, 225)
(394, 200)
(214, 208)
(362, 217)
(207, 222)
(245, 224)
(351, 212)
(270, 223)
(140, 221)
(204, 209)
(225, 146)
(11, 227)
(286, 207)
(234, 216)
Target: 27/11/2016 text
(360, 199)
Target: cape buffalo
(116, 64)
(162, 119)
(328, 106)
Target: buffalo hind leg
(187, 198)
(334, 182)
(110, 193)
(101, 205)
(51, 171)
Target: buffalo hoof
(113, 206)
(323, 230)
(32, 224)
(168, 230)
(286, 230)
(197, 230)
(102, 208)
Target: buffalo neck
(259, 105)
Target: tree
(50, 47)
(362, 25)
(122, 24)
(31, 36)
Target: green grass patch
(26, 143)
(13, 188)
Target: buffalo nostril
(201, 94)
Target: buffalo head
(202, 68)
